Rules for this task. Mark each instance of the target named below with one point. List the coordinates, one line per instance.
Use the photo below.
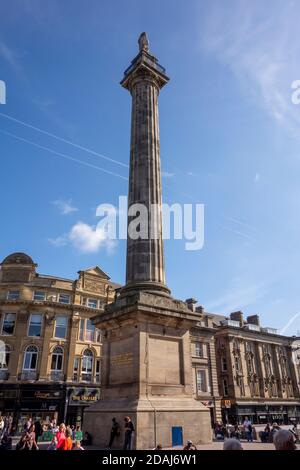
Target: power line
(61, 139)
(63, 155)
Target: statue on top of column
(143, 42)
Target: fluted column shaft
(145, 259)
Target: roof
(18, 258)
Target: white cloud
(89, 239)
(59, 241)
(256, 177)
(65, 207)
(260, 44)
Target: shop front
(260, 413)
(78, 399)
(43, 403)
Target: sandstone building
(257, 372)
(52, 349)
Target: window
(30, 358)
(9, 322)
(87, 366)
(237, 363)
(61, 325)
(57, 359)
(35, 324)
(13, 295)
(64, 298)
(83, 300)
(81, 331)
(75, 368)
(199, 349)
(39, 295)
(224, 364)
(90, 331)
(201, 380)
(98, 370)
(225, 388)
(92, 303)
(4, 357)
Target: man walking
(248, 429)
(129, 430)
(115, 432)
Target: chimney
(253, 320)
(237, 316)
(200, 309)
(191, 304)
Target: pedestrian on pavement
(129, 430)
(61, 436)
(248, 429)
(68, 443)
(31, 438)
(189, 446)
(115, 432)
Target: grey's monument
(146, 365)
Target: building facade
(204, 369)
(257, 373)
(51, 351)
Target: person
(1, 426)
(235, 433)
(68, 443)
(158, 447)
(31, 438)
(219, 434)
(232, 444)
(248, 429)
(294, 431)
(27, 424)
(115, 432)
(6, 441)
(129, 430)
(61, 436)
(78, 446)
(23, 442)
(189, 446)
(38, 429)
(265, 434)
(87, 441)
(274, 430)
(53, 444)
(284, 440)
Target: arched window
(87, 365)
(30, 358)
(57, 359)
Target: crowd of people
(70, 437)
(248, 431)
(63, 437)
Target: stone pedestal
(146, 373)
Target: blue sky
(229, 139)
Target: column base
(154, 421)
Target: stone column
(145, 257)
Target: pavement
(215, 445)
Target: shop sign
(227, 403)
(87, 398)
